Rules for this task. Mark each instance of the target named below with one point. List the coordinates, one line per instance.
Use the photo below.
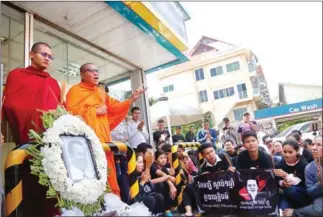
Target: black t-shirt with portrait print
(264, 161)
(154, 169)
(157, 134)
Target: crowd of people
(298, 170)
(296, 164)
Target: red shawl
(26, 91)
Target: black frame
(91, 152)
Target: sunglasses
(44, 54)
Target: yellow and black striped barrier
(14, 181)
(192, 145)
(179, 183)
(131, 161)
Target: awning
(132, 35)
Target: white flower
(86, 191)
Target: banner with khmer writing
(225, 192)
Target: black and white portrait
(253, 190)
(77, 158)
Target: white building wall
(186, 88)
(299, 93)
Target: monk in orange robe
(101, 112)
(27, 91)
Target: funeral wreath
(48, 165)
(87, 197)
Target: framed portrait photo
(78, 158)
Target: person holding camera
(229, 133)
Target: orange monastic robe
(83, 100)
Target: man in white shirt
(136, 129)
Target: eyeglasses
(91, 70)
(44, 54)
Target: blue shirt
(201, 136)
(314, 189)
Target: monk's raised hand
(102, 110)
(2, 139)
(138, 92)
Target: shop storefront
(125, 40)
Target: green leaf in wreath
(35, 136)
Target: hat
(225, 119)
(246, 113)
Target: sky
(285, 36)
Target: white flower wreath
(86, 191)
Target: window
(12, 56)
(199, 74)
(227, 92)
(168, 88)
(12, 40)
(203, 96)
(120, 89)
(216, 71)
(305, 128)
(238, 113)
(242, 90)
(233, 66)
(252, 66)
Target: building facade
(125, 40)
(220, 78)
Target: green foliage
(48, 119)
(285, 125)
(196, 125)
(152, 101)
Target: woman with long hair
(291, 175)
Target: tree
(152, 101)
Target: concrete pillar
(138, 78)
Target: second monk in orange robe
(101, 112)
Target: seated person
(278, 148)
(167, 188)
(229, 148)
(193, 154)
(238, 150)
(143, 148)
(188, 166)
(313, 182)
(148, 195)
(167, 148)
(290, 172)
(252, 157)
(307, 155)
(214, 162)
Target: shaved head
(84, 66)
(89, 73)
(36, 46)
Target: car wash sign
(306, 106)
